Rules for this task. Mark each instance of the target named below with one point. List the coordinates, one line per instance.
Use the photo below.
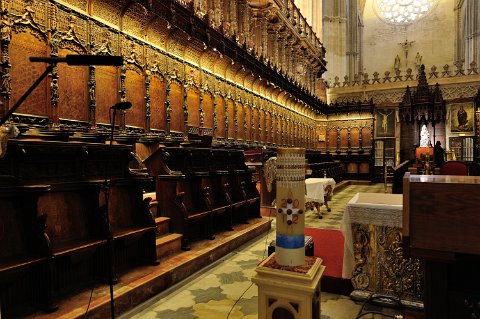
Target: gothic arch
(108, 11)
(134, 19)
(157, 32)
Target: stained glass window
(403, 11)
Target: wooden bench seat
(53, 212)
(190, 213)
(211, 188)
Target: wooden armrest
(76, 245)
(126, 232)
(20, 262)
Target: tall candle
(290, 206)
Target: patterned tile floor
(224, 289)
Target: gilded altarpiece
(159, 98)
(380, 266)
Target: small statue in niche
(6, 28)
(418, 60)
(396, 64)
(424, 137)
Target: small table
(318, 192)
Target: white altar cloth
(315, 189)
(368, 209)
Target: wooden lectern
(441, 223)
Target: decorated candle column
(290, 205)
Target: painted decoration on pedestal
(290, 205)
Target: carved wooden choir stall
(209, 188)
(54, 231)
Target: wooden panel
(220, 111)
(67, 215)
(72, 82)
(262, 127)
(193, 104)
(354, 137)
(124, 204)
(268, 128)
(106, 93)
(24, 73)
(364, 168)
(248, 115)
(255, 124)
(208, 110)
(240, 122)
(332, 138)
(11, 241)
(135, 87)
(231, 119)
(176, 105)
(158, 119)
(344, 138)
(366, 137)
(352, 168)
(444, 214)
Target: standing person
(438, 154)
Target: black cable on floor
(263, 257)
(85, 316)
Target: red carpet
(328, 245)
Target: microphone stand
(106, 189)
(26, 94)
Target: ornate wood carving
(386, 271)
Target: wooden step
(163, 225)
(145, 282)
(168, 244)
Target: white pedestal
(289, 292)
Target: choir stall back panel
(440, 225)
(203, 190)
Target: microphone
(122, 106)
(82, 59)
